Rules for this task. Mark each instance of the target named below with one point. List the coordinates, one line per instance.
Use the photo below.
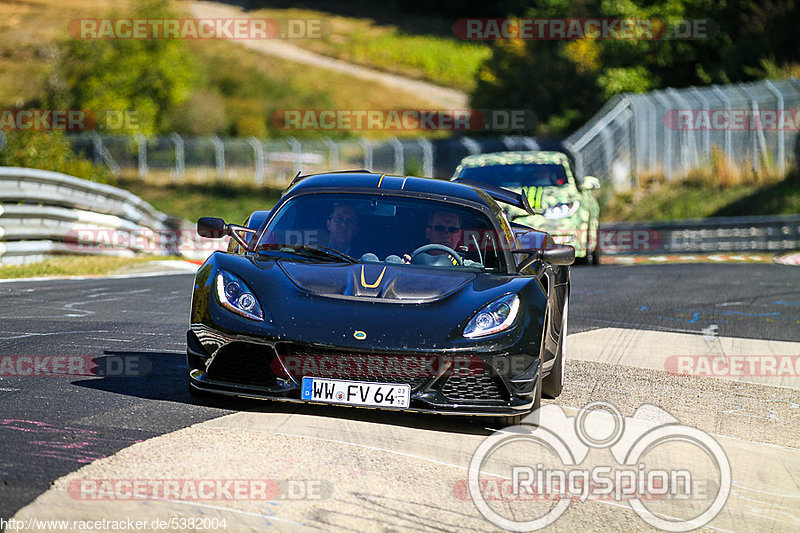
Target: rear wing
(501, 195)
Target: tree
(565, 81)
(148, 77)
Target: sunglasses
(349, 222)
(441, 228)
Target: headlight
(496, 316)
(563, 210)
(234, 294)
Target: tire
(596, 253)
(596, 257)
(553, 384)
(531, 418)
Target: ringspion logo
(674, 477)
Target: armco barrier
(40, 211)
(723, 234)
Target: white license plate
(356, 392)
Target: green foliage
(444, 61)
(48, 151)
(149, 77)
(564, 82)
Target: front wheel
(553, 384)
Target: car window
(385, 229)
(518, 175)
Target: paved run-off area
(346, 469)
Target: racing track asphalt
(51, 426)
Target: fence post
(578, 159)
(781, 134)
(101, 153)
(728, 139)
(141, 149)
(297, 148)
(690, 151)
(399, 163)
(367, 146)
(258, 159)
(705, 146)
(333, 153)
(180, 156)
(219, 156)
(758, 134)
(471, 146)
(661, 97)
(427, 156)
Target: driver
(443, 227)
(342, 225)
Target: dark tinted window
(518, 175)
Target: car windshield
(393, 230)
(518, 175)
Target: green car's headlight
(493, 318)
(233, 294)
(562, 210)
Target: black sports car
(387, 292)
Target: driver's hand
(406, 259)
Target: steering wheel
(440, 247)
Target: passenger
(342, 225)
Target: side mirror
(562, 255)
(212, 227)
(590, 183)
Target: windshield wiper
(308, 250)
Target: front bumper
(476, 384)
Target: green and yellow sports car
(568, 209)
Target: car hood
(409, 308)
(375, 281)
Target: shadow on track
(162, 376)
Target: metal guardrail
(777, 233)
(43, 212)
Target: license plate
(356, 392)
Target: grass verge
(72, 265)
(692, 199)
(191, 201)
